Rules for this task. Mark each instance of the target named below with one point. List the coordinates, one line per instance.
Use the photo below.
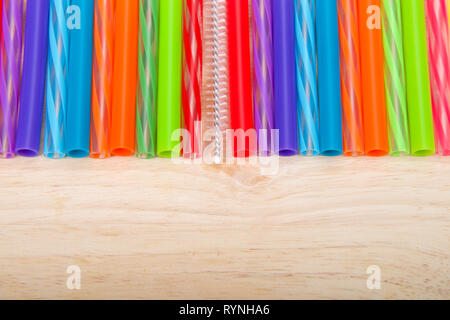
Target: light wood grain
(152, 229)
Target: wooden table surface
(156, 230)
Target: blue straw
(306, 66)
(80, 75)
(330, 108)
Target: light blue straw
(306, 72)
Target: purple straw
(10, 65)
(284, 76)
(33, 79)
(263, 74)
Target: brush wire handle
(10, 69)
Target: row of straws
(113, 77)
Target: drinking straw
(28, 137)
(192, 76)
(169, 78)
(263, 74)
(240, 77)
(417, 78)
(56, 87)
(351, 78)
(284, 76)
(147, 84)
(102, 75)
(215, 108)
(10, 69)
(438, 45)
(376, 141)
(79, 90)
(306, 71)
(123, 117)
(330, 108)
(395, 82)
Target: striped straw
(147, 84)
(10, 69)
(351, 78)
(56, 91)
(102, 78)
(438, 48)
(192, 76)
(263, 74)
(306, 72)
(394, 70)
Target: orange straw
(102, 78)
(372, 72)
(123, 122)
(350, 78)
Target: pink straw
(438, 47)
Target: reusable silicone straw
(351, 78)
(328, 66)
(215, 108)
(147, 84)
(284, 76)
(169, 78)
(417, 78)
(32, 89)
(395, 82)
(438, 44)
(263, 74)
(102, 75)
(192, 76)
(56, 87)
(80, 74)
(306, 71)
(376, 141)
(123, 117)
(240, 77)
(10, 70)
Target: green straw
(394, 70)
(169, 78)
(417, 78)
(147, 84)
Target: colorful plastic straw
(241, 109)
(395, 82)
(169, 78)
(147, 84)
(438, 45)
(351, 78)
(215, 108)
(263, 74)
(284, 76)
(56, 88)
(28, 137)
(306, 71)
(376, 141)
(79, 90)
(102, 75)
(192, 77)
(123, 118)
(417, 78)
(10, 70)
(330, 109)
